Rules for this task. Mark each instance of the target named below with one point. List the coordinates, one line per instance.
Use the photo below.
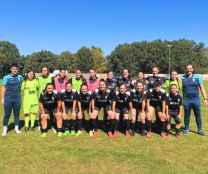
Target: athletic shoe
(116, 134)
(17, 131)
(131, 132)
(201, 132)
(185, 131)
(143, 133)
(60, 134)
(43, 135)
(79, 132)
(163, 134)
(72, 133)
(110, 135)
(54, 130)
(149, 135)
(91, 133)
(66, 133)
(127, 134)
(32, 128)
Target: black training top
(68, 98)
(156, 98)
(137, 98)
(174, 102)
(84, 99)
(122, 100)
(102, 98)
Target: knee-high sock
(27, 120)
(32, 118)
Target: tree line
(136, 56)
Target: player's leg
(93, 121)
(163, 123)
(111, 120)
(126, 122)
(59, 122)
(149, 116)
(133, 121)
(44, 123)
(142, 119)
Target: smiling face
(50, 89)
(69, 87)
(173, 89)
(140, 76)
(122, 89)
(125, 73)
(110, 75)
(139, 87)
(174, 75)
(30, 75)
(155, 71)
(102, 86)
(62, 74)
(92, 73)
(84, 89)
(78, 74)
(44, 71)
(189, 70)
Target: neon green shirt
(76, 84)
(168, 83)
(43, 81)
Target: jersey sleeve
(5, 80)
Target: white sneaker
(17, 131)
(53, 130)
(4, 133)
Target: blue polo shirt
(12, 85)
(191, 86)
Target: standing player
(156, 104)
(77, 81)
(50, 109)
(174, 108)
(11, 92)
(101, 100)
(30, 103)
(93, 81)
(69, 100)
(60, 81)
(138, 103)
(121, 107)
(154, 78)
(84, 105)
(110, 81)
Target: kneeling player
(174, 108)
(156, 104)
(101, 100)
(138, 107)
(69, 98)
(83, 98)
(50, 107)
(121, 107)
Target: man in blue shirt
(192, 84)
(11, 98)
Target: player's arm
(3, 94)
(203, 93)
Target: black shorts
(158, 108)
(51, 113)
(105, 108)
(68, 110)
(174, 115)
(122, 111)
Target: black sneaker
(131, 132)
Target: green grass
(29, 153)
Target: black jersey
(49, 101)
(152, 79)
(122, 100)
(102, 99)
(125, 81)
(156, 98)
(84, 99)
(68, 98)
(111, 84)
(174, 102)
(137, 98)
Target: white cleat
(17, 131)
(4, 134)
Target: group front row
(66, 111)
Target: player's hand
(2, 101)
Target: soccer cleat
(131, 132)
(26, 129)
(91, 133)
(110, 135)
(72, 133)
(60, 134)
(4, 134)
(43, 135)
(79, 132)
(17, 131)
(185, 131)
(149, 135)
(32, 128)
(53, 130)
(163, 134)
(116, 134)
(66, 133)
(143, 133)
(127, 134)
(201, 132)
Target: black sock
(149, 125)
(116, 125)
(59, 129)
(72, 126)
(163, 126)
(66, 125)
(93, 125)
(142, 127)
(126, 125)
(111, 125)
(133, 125)
(44, 130)
(79, 124)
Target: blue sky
(59, 25)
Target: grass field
(31, 154)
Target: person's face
(189, 70)
(173, 89)
(68, 87)
(155, 71)
(122, 89)
(110, 75)
(140, 76)
(139, 87)
(125, 73)
(84, 89)
(14, 70)
(44, 71)
(30, 75)
(102, 86)
(92, 73)
(174, 75)
(78, 74)
(50, 89)
(62, 73)
(157, 88)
